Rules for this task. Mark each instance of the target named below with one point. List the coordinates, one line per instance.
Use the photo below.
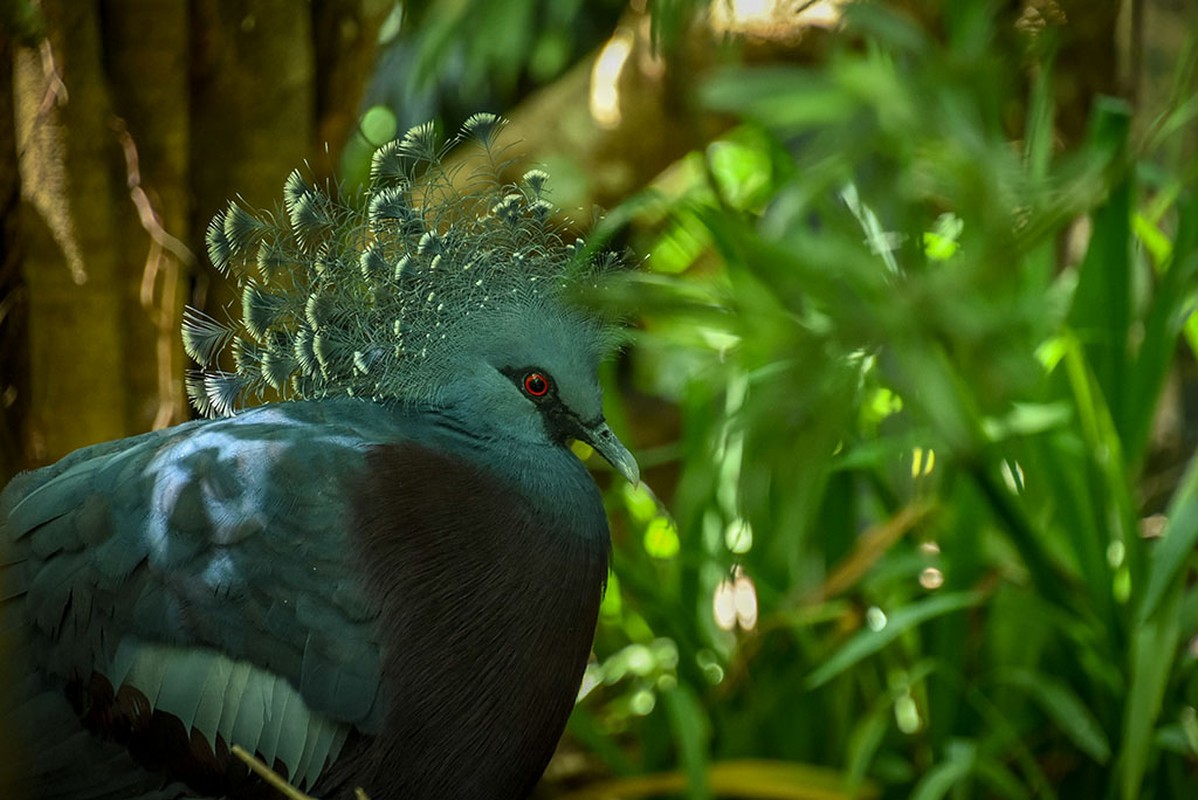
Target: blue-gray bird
(386, 576)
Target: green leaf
(1101, 312)
(940, 779)
(1000, 778)
(1153, 650)
(1154, 240)
(1027, 419)
(865, 741)
(787, 98)
(640, 502)
(1174, 549)
(1165, 320)
(868, 642)
(741, 166)
(751, 779)
(661, 538)
(692, 731)
(943, 241)
(1065, 709)
(590, 732)
(886, 25)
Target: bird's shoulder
(205, 568)
(284, 445)
(228, 534)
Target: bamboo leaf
(747, 779)
(692, 731)
(1178, 542)
(1153, 651)
(1063, 706)
(1163, 323)
(868, 642)
(940, 779)
(1000, 778)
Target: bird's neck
(488, 613)
(545, 473)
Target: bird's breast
(489, 599)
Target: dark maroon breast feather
(489, 604)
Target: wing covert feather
(142, 559)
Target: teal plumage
(392, 569)
(396, 285)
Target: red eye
(536, 384)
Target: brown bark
(71, 173)
(14, 298)
(345, 35)
(1087, 66)
(253, 111)
(136, 121)
(14, 372)
(152, 129)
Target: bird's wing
(208, 566)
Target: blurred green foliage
(909, 541)
(917, 349)
(446, 60)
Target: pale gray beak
(613, 450)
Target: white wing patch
(215, 695)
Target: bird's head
(420, 293)
(531, 379)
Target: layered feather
(375, 295)
(206, 567)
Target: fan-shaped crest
(372, 296)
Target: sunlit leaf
(1153, 648)
(1171, 554)
(749, 779)
(661, 538)
(868, 642)
(692, 729)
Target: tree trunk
(76, 261)
(14, 317)
(135, 121)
